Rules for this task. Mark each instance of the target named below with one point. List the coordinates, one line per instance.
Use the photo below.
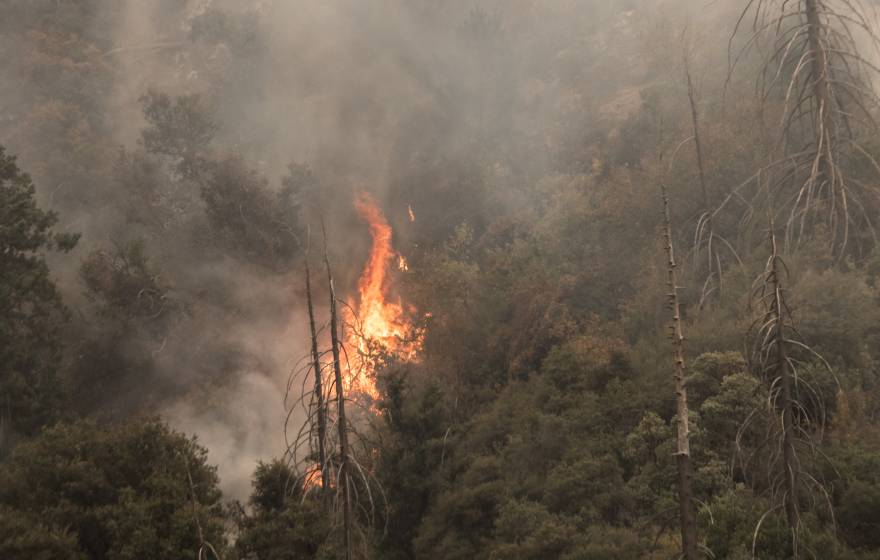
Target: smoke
(453, 109)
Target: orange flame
(381, 326)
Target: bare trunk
(704, 188)
(698, 145)
(319, 386)
(819, 65)
(789, 458)
(341, 420)
(683, 453)
(824, 133)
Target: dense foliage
(81, 491)
(517, 149)
(30, 306)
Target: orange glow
(381, 328)
(312, 479)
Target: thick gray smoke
(389, 97)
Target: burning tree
(336, 454)
(379, 327)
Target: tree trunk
(341, 420)
(789, 458)
(819, 66)
(825, 136)
(698, 144)
(319, 386)
(704, 188)
(683, 453)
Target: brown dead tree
(343, 477)
(820, 87)
(311, 445)
(707, 239)
(683, 455)
(329, 442)
(794, 409)
(318, 383)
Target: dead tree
(311, 445)
(825, 105)
(705, 231)
(794, 407)
(683, 455)
(349, 487)
(343, 478)
(775, 328)
(709, 245)
(318, 386)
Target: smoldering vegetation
(517, 149)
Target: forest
(410, 279)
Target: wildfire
(380, 325)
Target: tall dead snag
(311, 445)
(683, 454)
(789, 457)
(350, 490)
(319, 386)
(826, 107)
(795, 410)
(343, 479)
(705, 235)
(771, 355)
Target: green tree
(140, 490)
(180, 128)
(283, 525)
(250, 219)
(31, 310)
(415, 430)
(26, 536)
(130, 320)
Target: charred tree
(683, 455)
(319, 385)
(343, 479)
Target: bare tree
(796, 414)
(318, 376)
(707, 239)
(683, 455)
(311, 445)
(826, 106)
(341, 422)
(330, 442)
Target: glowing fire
(380, 325)
(377, 327)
